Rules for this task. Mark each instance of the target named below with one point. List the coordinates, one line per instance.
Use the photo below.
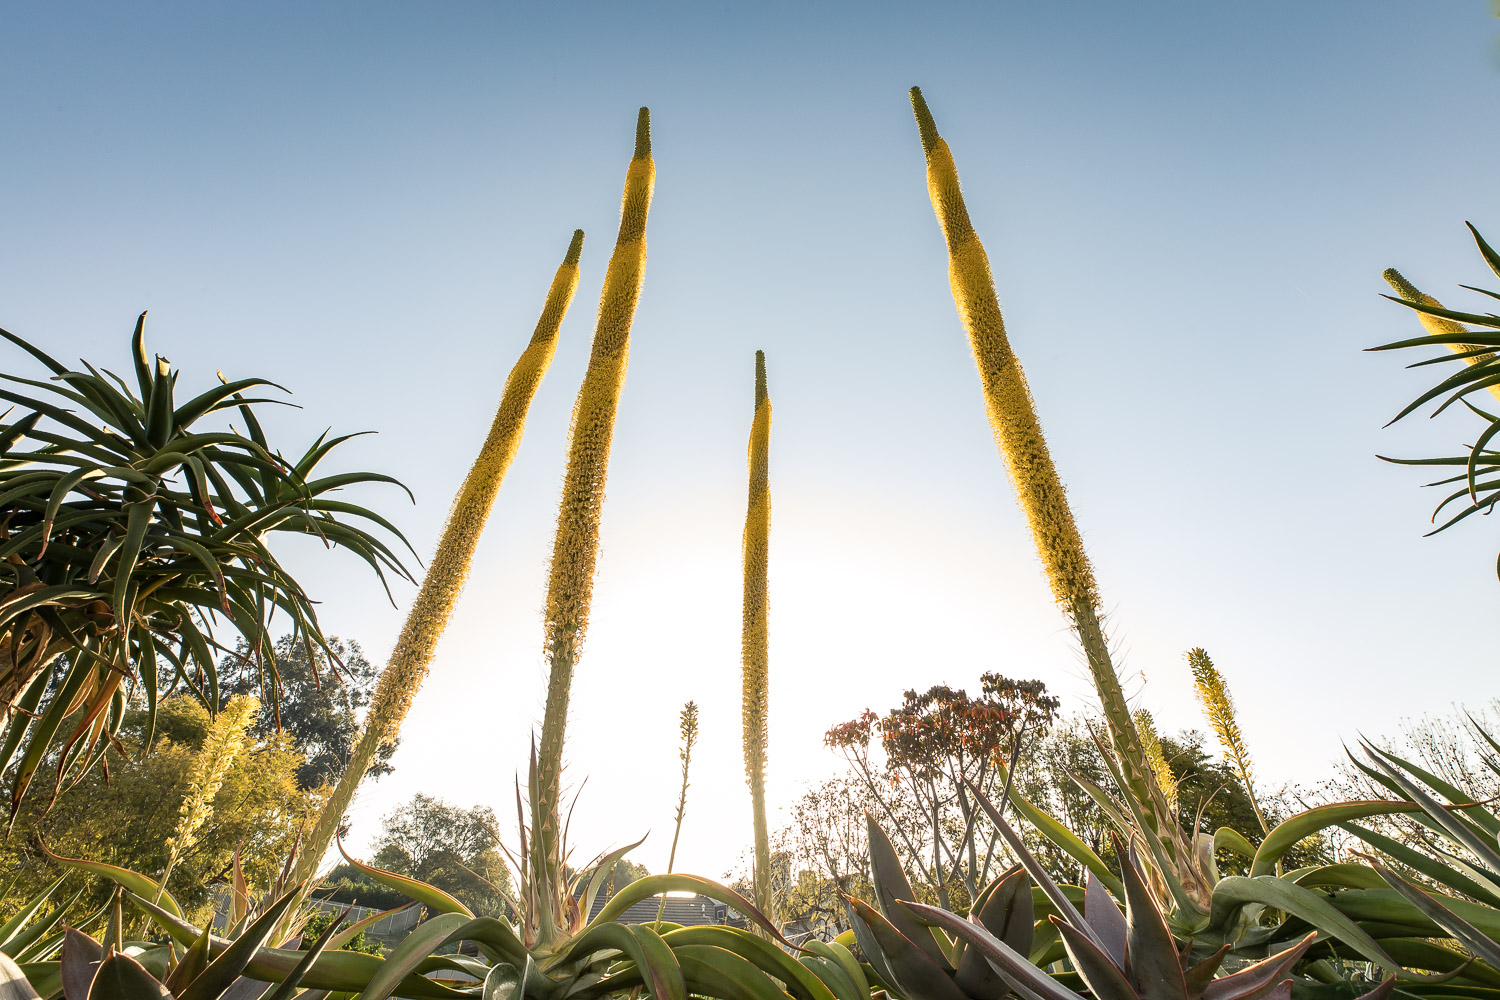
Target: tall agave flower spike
(224, 742)
(428, 617)
(1439, 326)
(1032, 473)
(570, 587)
(754, 646)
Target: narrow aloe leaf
(1200, 974)
(121, 977)
(1456, 828)
(190, 966)
(1105, 918)
(1065, 840)
(1154, 967)
(1105, 980)
(714, 972)
(232, 961)
(12, 927)
(1028, 980)
(337, 971)
(1231, 840)
(405, 958)
(423, 893)
(123, 877)
(891, 886)
(1443, 874)
(351, 932)
(601, 874)
(1008, 914)
(1293, 830)
(801, 982)
(655, 885)
(81, 956)
(1250, 981)
(1044, 881)
(1481, 945)
(1235, 891)
(914, 972)
(837, 951)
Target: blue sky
(1187, 207)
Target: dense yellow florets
(444, 581)
(755, 647)
(575, 549)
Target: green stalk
(449, 570)
(755, 655)
(689, 728)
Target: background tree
(125, 816)
(933, 746)
(318, 703)
(456, 850)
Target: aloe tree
(1475, 480)
(130, 532)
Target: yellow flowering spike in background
(1156, 756)
(570, 586)
(1218, 709)
(1436, 326)
(754, 644)
(1019, 434)
(221, 745)
(445, 578)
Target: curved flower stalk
(754, 643)
(1218, 709)
(1039, 490)
(223, 743)
(570, 586)
(428, 617)
(1438, 325)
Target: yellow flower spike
(575, 549)
(754, 645)
(224, 742)
(1437, 326)
(1018, 433)
(449, 570)
(1156, 756)
(1218, 709)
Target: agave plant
(1134, 955)
(585, 958)
(129, 530)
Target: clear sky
(1187, 206)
